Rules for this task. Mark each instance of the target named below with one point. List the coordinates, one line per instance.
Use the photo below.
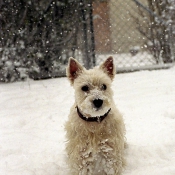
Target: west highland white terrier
(95, 129)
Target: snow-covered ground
(33, 113)
(126, 60)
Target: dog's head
(93, 94)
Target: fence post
(87, 33)
(92, 34)
(171, 40)
(86, 59)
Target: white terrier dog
(95, 129)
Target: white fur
(94, 148)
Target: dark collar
(93, 119)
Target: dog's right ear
(74, 69)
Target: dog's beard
(89, 110)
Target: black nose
(98, 103)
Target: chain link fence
(38, 37)
(139, 34)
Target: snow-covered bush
(14, 66)
(33, 37)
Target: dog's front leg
(86, 161)
(112, 158)
(81, 160)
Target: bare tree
(156, 23)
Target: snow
(33, 113)
(128, 60)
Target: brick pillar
(101, 27)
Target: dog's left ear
(108, 67)
(74, 69)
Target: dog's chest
(100, 161)
(98, 152)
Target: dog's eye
(85, 88)
(104, 87)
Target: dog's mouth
(92, 119)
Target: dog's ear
(108, 67)
(74, 69)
